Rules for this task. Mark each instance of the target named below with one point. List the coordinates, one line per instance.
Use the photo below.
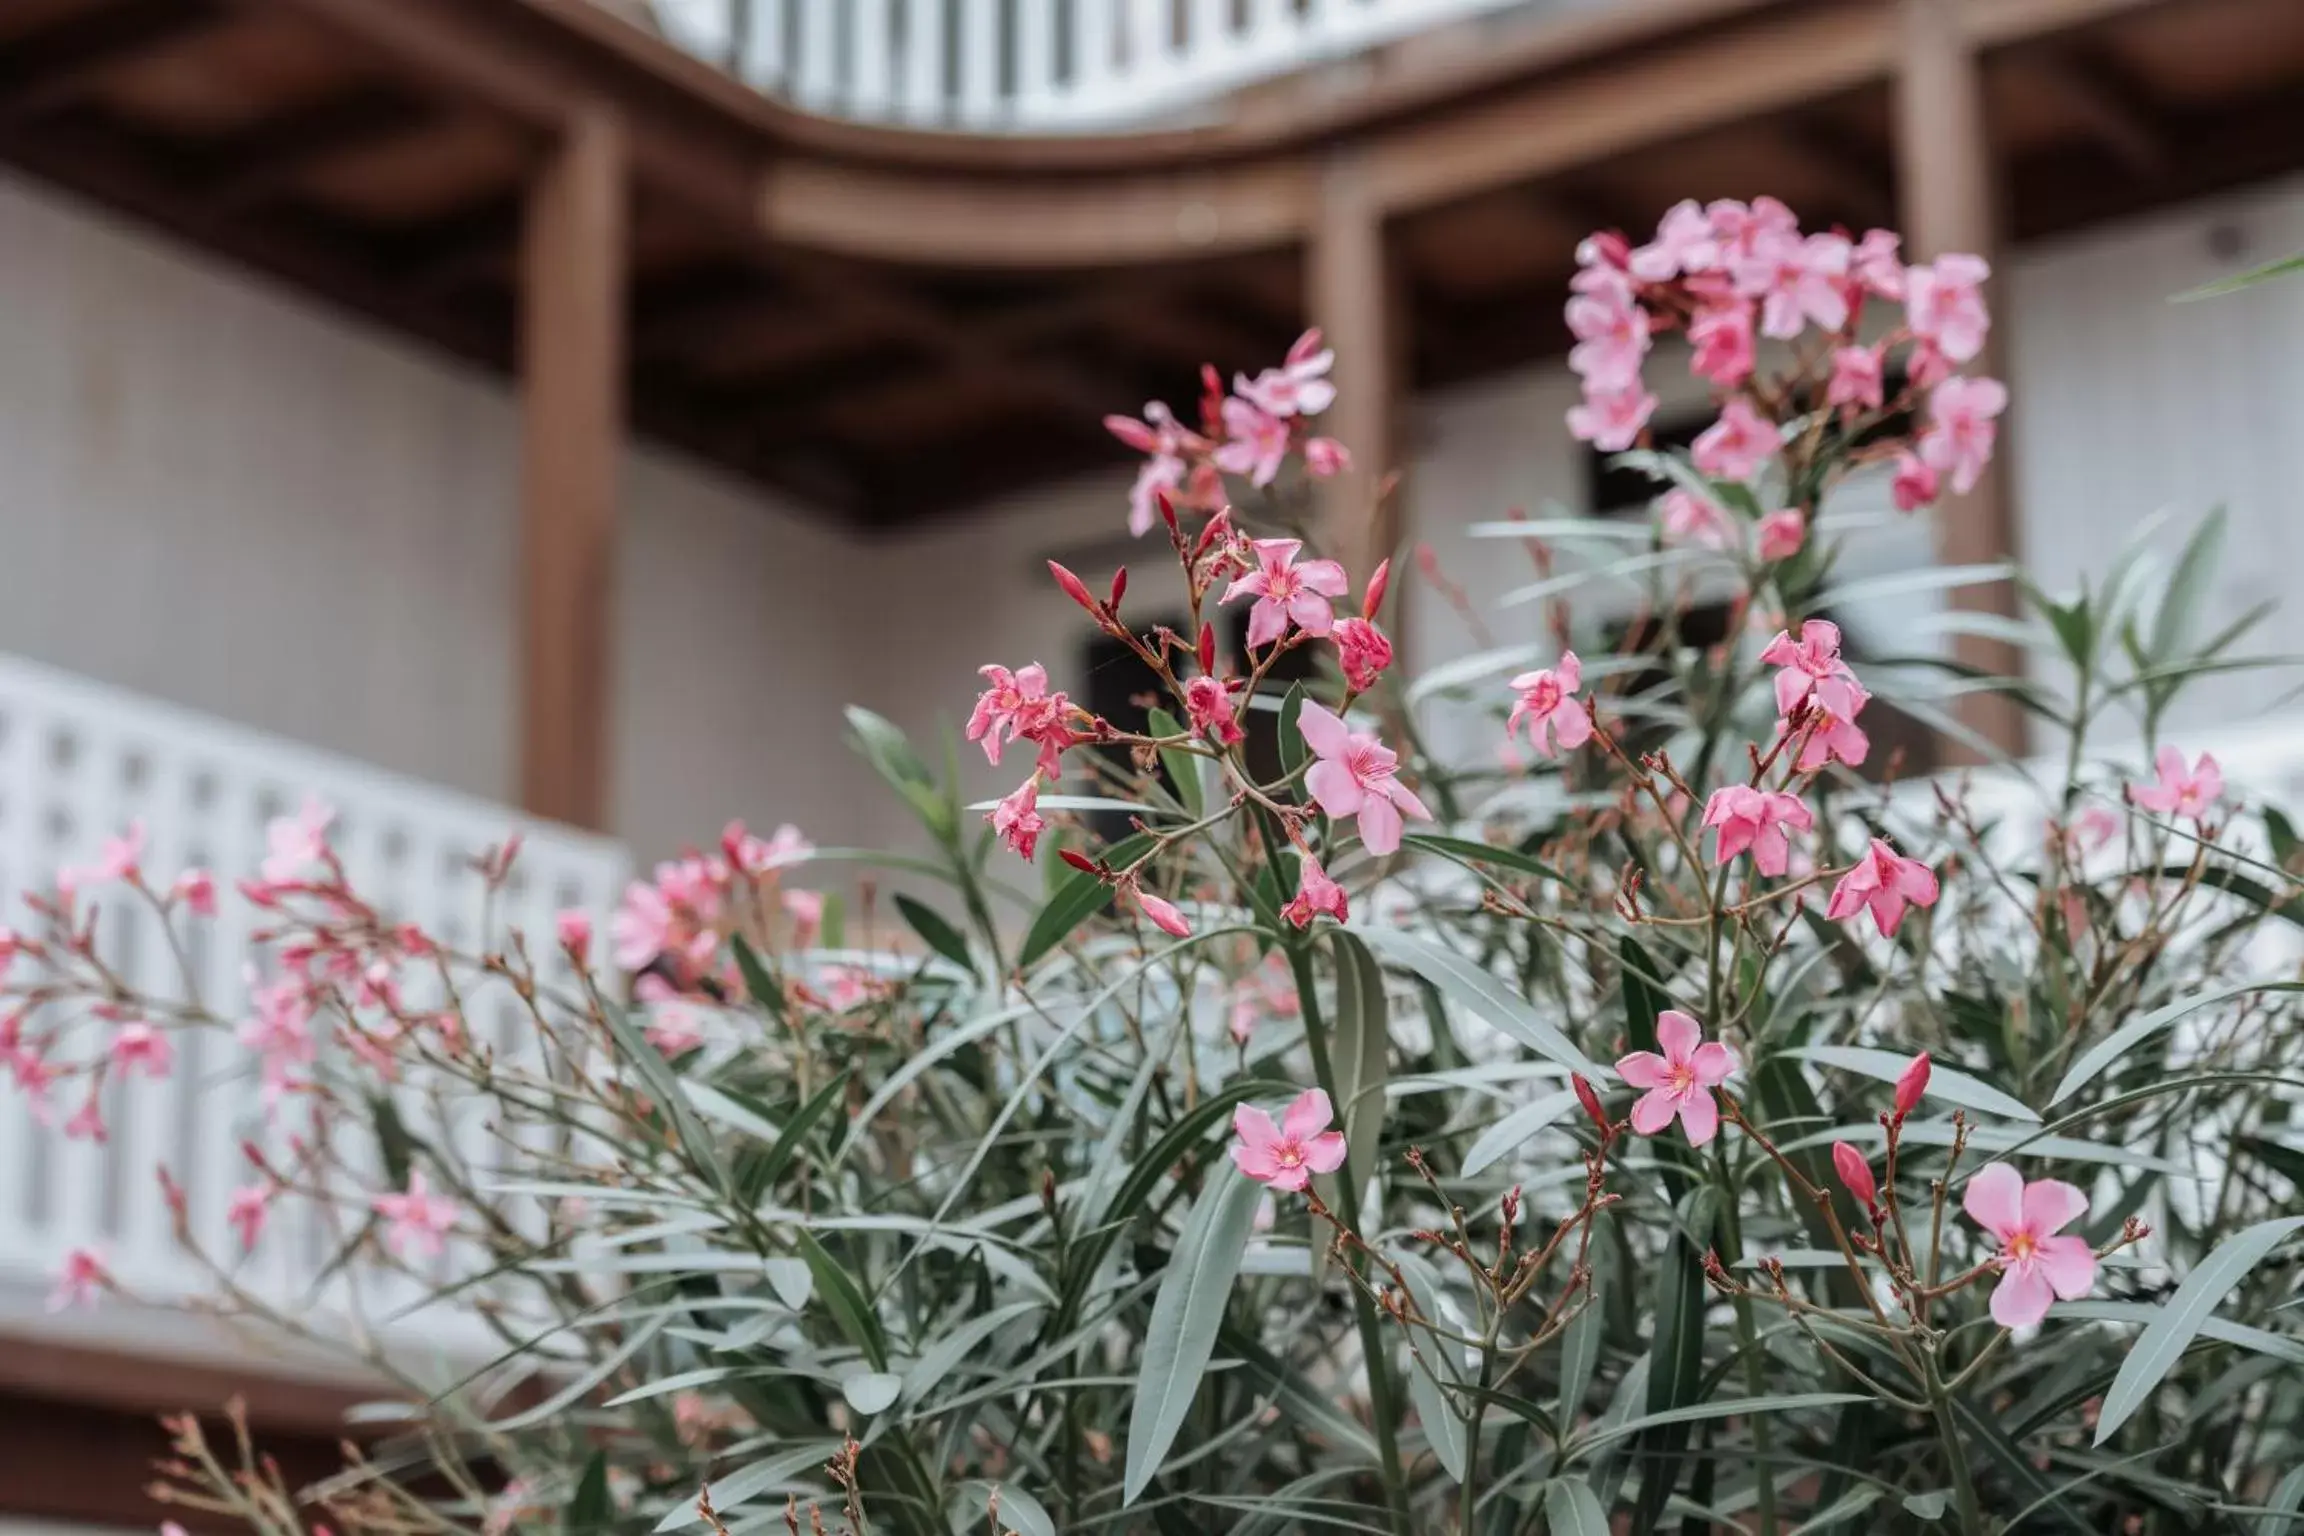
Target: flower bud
(1119, 589)
(1855, 1173)
(1078, 861)
(1591, 1102)
(1072, 585)
(1911, 1085)
(1376, 585)
(1208, 649)
(1167, 510)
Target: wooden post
(1945, 189)
(1351, 288)
(572, 439)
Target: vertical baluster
(1271, 35)
(924, 61)
(871, 59)
(84, 791)
(144, 1135)
(20, 1238)
(766, 63)
(1036, 80)
(816, 81)
(1145, 40)
(218, 1075)
(979, 62)
(1094, 37)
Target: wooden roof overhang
(890, 323)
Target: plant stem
(1955, 1456)
(1381, 1405)
(1748, 1343)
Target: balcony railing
(78, 762)
(1035, 66)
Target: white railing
(79, 762)
(1036, 66)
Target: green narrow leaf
(939, 1360)
(760, 1177)
(1466, 851)
(393, 1143)
(1293, 752)
(1362, 1053)
(1432, 1365)
(1571, 1508)
(892, 757)
(2187, 588)
(2248, 279)
(2280, 1510)
(851, 1313)
(1718, 1408)
(1580, 1345)
(938, 934)
(1182, 768)
(870, 1392)
(2161, 1345)
(1077, 897)
(747, 1482)
(1946, 1083)
(1185, 1316)
(664, 1086)
(590, 1510)
(1514, 1130)
(2105, 1052)
(1476, 989)
(759, 986)
(1676, 1367)
(972, 1503)
(1313, 1407)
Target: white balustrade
(1037, 66)
(78, 763)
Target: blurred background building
(470, 407)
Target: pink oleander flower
(1855, 1172)
(1688, 518)
(1958, 439)
(573, 927)
(1883, 883)
(1315, 894)
(1811, 669)
(1877, 263)
(1780, 534)
(416, 1218)
(1299, 387)
(1745, 232)
(1017, 818)
(759, 857)
(1796, 280)
(140, 1045)
(1611, 420)
(1727, 349)
(295, 844)
(81, 1281)
(1363, 651)
(2181, 791)
(1211, 710)
(1012, 707)
(2091, 829)
(1325, 458)
(1915, 484)
(806, 909)
(642, 927)
(1255, 443)
(1680, 1081)
(1944, 305)
(1354, 776)
(245, 1213)
(1158, 475)
(1684, 244)
(1285, 1156)
(2038, 1263)
(87, 1122)
(1739, 444)
(1286, 592)
(674, 1027)
(1162, 914)
(1912, 1084)
(1858, 379)
(1611, 331)
(196, 889)
(121, 857)
(1755, 819)
(1548, 703)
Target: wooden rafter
(2108, 102)
(60, 63)
(263, 161)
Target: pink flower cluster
(1248, 432)
(1731, 275)
(672, 926)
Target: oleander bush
(1677, 1119)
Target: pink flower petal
(2051, 1205)
(1994, 1199)
(1332, 786)
(1379, 824)
(1654, 1110)
(1324, 1153)
(1641, 1069)
(1677, 1034)
(2069, 1263)
(1307, 1116)
(1324, 730)
(1700, 1118)
(1714, 1063)
(2021, 1298)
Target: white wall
(216, 493)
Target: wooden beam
(476, 244)
(2108, 103)
(1946, 183)
(58, 64)
(257, 165)
(573, 250)
(1354, 290)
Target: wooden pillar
(1948, 203)
(1353, 296)
(572, 440)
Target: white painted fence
(78, 762)
(1036, 66)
